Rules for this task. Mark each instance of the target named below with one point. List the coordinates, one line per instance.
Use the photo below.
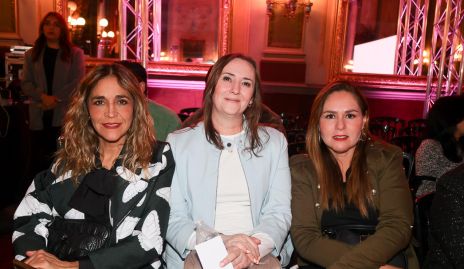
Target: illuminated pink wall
(404, 107)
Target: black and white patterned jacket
(139, 219)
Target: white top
(233, 213)
(233, 208)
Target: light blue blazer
(67, 76)
(194, 186)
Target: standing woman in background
(351, 204)
(52, 70)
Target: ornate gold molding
(177, 69)
(393, 82)
(60, 7)
(9, 34)
(199, 70)
(225, 23)
(336, 73)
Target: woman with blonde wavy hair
(110, 171)
(351, 204)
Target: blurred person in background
(52, 70)
(165, 120)
(443, 148)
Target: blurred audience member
(52, 70)
(442, 150)
(166, 120)
(446, 240)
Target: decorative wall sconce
(102, 23)
(290, 6)
(76, 23)
(76, 28)
(106, 39)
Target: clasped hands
(242, 250)
(48, 101)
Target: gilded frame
(11, 31)
(277, 23)
(198, 69)
(336, 73)
(179, 68)
(60, 7)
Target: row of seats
(390, 127)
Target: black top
(446, 244)
(349, 215)
(49, 60)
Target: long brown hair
(251, 114)
(41, 41)
(80, 141)
(358, 186)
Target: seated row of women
(346, 204)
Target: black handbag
(354, 234)
(72, 240)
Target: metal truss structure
(446, 68)
(411, 33)
(140, 30)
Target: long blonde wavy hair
(80, 141)
(358, 186)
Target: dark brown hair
(251, 114)
(442, 121)
(41, 41)
(358, 186)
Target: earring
(363, 136)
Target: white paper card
(211, 253)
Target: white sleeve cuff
(192, 241)
(267, 244)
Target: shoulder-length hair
(41, 41)
(80, 141)
(328, 172)
(251, 114)
(442, 121)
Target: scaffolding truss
(446, 69)
(140, 30)
(411, 33)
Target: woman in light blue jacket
(231, 174)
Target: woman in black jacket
(446, 240)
